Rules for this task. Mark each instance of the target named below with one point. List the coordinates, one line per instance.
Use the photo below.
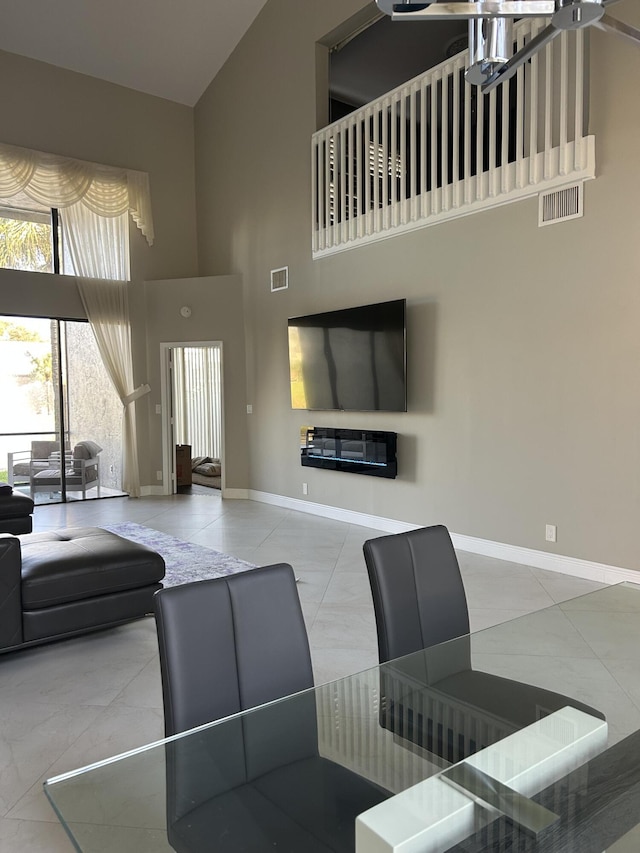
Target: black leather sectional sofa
(67, 582)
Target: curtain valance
(62, 181)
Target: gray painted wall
(523, 342)
(216, 315)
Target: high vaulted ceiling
(169, 48)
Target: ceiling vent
(279, 279)
(560, 205)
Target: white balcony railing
(435, 148)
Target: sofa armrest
(10, 590)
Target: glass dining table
(523, 737)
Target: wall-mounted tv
(350, 360)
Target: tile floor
(68, 704)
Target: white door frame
(169, 485)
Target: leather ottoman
(66, 582)
(15, 513)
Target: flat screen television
(350, 360)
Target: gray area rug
(185, 561)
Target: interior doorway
(192, 404)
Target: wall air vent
(560, 205)
(279, 279)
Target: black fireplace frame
(355, 451)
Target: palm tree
(25, 245)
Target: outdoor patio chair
(82, 471)
(22, 463)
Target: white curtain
(99, 251)
(59, 182)
(197, 399)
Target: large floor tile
(586, 681)
(88, 670)
(344, 627)
(610, 634)
(250, 510)
(117, 729)
(305, 540)
(349, 588)
(614, 599)
(114, 730)
(168, 523)
(124, 839)
(312, 586)
(20, 836)
(330, 664)
(545, 635)
(505, 592)
(627, 674)
(489, 566)
(309, 612)
(33, 736)
(479, 618)
(45, 724)
(143, 691)
(302, 521)
(316, 559)
(227, 538)
(351, 558)
(561, 587)
(122, 808)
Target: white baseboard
(599, 572)
(147, 491)
(233, 494)
(236, 494)
(387, 525)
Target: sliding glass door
(60, 421)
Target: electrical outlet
(249, 409)
(305, 488)
(550, 533)
(158, 409)
(158, 475)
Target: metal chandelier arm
(612, 25)
(490, 43)
(509, 69)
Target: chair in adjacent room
(437, 699)
(227, 645)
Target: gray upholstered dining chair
(256, 782)
(229, 644)
(418, 595)
(420, 602)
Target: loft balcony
(435, 148)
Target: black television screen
(350, 360)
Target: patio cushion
(53, 477)
(86, 450)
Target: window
(95, 202)
(26, 236)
